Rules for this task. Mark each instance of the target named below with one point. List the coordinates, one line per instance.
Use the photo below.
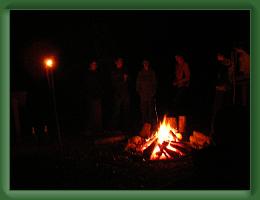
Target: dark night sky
(80, 35)
(75, 37)
(131, 34)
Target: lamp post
(49, 65)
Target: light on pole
(49, 65)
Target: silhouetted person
(181, 84)
(224, 82)
(94, 91)
(232, 85)
(146, 88)
(242, 76)
(236, 69)
(224, 85)
(120, 97)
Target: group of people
(146, 87)
(232, 86)
(233, 76)
(233, 81)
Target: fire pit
(167, 143)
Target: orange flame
(165, 135)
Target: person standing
(181, 84)
(146, 84)
(94, 91)
(120, 97)
(242, 76)
(223, 86)
(224, 82)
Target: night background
(77, 37)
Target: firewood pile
(199, 141)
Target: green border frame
(7, 5)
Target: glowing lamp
(49, 63)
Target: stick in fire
(150, 141)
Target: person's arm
(186, 73)
(184, 81)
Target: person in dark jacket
(93, 93)
(223, 86)
(120, 97)
(146, 88)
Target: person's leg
(89, 115)
(116, 113)
(125, 113)
(97, 115)
(178, 101)
(150, 110)
(145, 107)
(217, 105)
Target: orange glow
(179, 136)
(49, 62)
(165, 135)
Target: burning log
(163, 148)
(177, 150)
(165, 151)
(176, 136)
(149, 150)
(135, 144)
(198, 140)
(173, 135)
(173, 152)
(165, 143)
(183, 146)
(149, 142)
(169, 150)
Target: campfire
(166, 143)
